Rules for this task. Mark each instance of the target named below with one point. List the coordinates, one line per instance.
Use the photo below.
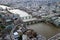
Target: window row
(28, 17)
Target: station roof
(3, 7)
(20, 12)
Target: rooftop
(20, 12)
(4, 7)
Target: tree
(2, 27)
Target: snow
(15, 33)
(4, 7)
(20, 12)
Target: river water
(46, 30)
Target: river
(46, 30)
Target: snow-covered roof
(4, 7)
(15, 33)
(20, 12)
